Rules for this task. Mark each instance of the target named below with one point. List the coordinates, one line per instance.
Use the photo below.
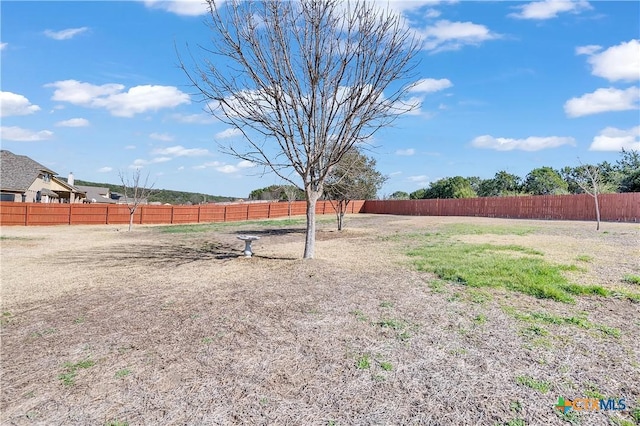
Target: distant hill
(164, 195)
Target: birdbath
(247, 243)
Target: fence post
(26, 215)
(224, 214)
(199, 207)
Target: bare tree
(135, 191)
(589, 179)
(291, 192)
(354, 178)
(304, 81)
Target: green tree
(399, 195)
(629, 168)
(354, 178)
(453, 187)
(418, 194)
(501, 185)
(545, 181)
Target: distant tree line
(277, 193)
(623, 176)
(164, 196)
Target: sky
(94, 88)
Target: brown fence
(613, 207)
(96, 214)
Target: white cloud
(411, 106)
(141, 99)
(431, 13)
(603, 100)
(588, 50)
(613, 139)
(105, 169)
(406, 152)
(411, 5)
(228, 133)
(79, 93)
(140, 163)
(194, 118)
(165, 137)
(65, 34)
(548, 9)
(136, 100)
(14, 104)
(420, 180)
(208, 164)
(179, 7)
(3, 46)
(73, 122)
(23, 135)
(532, 143)
(229, 168)
(180, 151)
(130, 147)
(429, 85)
(447, 35)
(226, 168)
(621, 62)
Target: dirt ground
(180, 329)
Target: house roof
(96, 194)
(65, 185)
(19, 171)
(48, 192)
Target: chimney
(71, 180)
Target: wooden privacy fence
(613, 207)
(101, 214)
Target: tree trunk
(131, 213)
(310, 235)
(340, 220)
(595, 197)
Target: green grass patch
(480, 319)
(363, 362)
(632, 279)
(68, 377)
(513, 422)
(386, 366)
(511, 267)
(593, 392)
(392, 323)
(9, 238)
(584, 258)
(539, 385)
(545, 317)
(117, 423)
(360, 316)
(122, 373)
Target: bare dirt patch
(183, 330)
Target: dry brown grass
(184, 331)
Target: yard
(398, 320)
